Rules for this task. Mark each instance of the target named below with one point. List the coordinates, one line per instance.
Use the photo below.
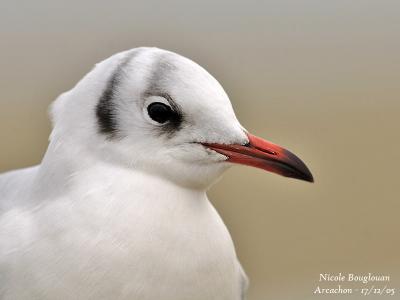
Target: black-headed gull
(118, 208)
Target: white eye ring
(150, 100)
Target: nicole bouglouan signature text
(352, 284)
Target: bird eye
(159, 112)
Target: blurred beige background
(319, 77)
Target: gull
(118, 209)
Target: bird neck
(66, 169)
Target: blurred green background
(320, 78)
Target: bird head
(155, 111)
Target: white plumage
(118, 208)
(122, 213)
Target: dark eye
(160, 112)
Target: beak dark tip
(304, 175)
(309, 178)
(297, 168)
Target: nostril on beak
(248, 145)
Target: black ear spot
(105, 110)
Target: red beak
(265, 155)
